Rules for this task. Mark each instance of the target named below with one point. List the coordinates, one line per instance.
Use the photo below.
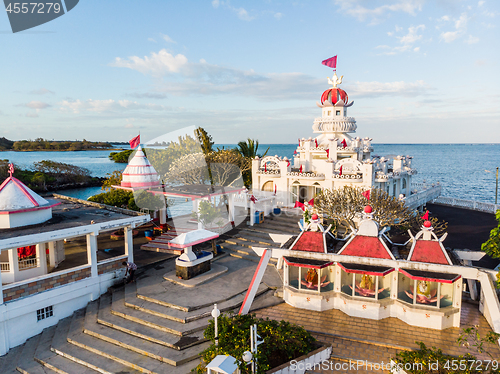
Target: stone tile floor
(376, 341)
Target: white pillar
(41, 255)
(1, 290)
(230, 201)
(52, 254)
(163, 216)
(129, 243)
(92, 254)
(14, 263)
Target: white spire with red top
(139, 172)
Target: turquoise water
(460, 168)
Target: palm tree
(249, 148)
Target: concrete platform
(214, 272)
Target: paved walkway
(376, 341)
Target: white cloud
(376, 89)
(242, 13)
(106, 106)
(215, 3)
(129, 126)
(157, 64)
(460, 29)
(362, 13)
(481, 3)
(168, 39)
(35, 105)
(41, 91)
(278, 16)
(471, 40)
(407, 41)
(151, 40)
(412, 35)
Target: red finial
(425, 217)
(11, 169)
(368, 209)
(314, 217)
(427, 224)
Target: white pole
(215, 314)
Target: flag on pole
(300, 169)
(265, 167)
(344, 144)
(330, 62)
(425, 217)
(135, 141)
(275, 189)
(298, 204)
(311, 202)
(288, 163)
(340, 170)
(299, 142)
(366, 194)
(316, 142)
(327, 153)
(295, 152)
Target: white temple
(334, 158)
(139, 173)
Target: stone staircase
(151, 326)
(240, 244)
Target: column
(230, 201)
(92, 254)
(52, 254)
(14, 263)
(129, 243)
(41, 255)
(1, 290)
(163, 216)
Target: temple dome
(139, 173)
(15, 195)
(334, 95)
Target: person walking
(131, 268)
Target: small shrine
(20, 206)
(365, 278)
(139, 173)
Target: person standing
(131, 268)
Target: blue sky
(418, 71)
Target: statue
(424, 293)
(311, 279)
(367, 286)
(334, 81)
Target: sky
(418, 71)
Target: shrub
(283, 341)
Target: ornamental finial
(11, 169)
(335, 80)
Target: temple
(334, 158)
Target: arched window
(404, 183)
(268, 186)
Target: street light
(216, 314)
(496, 185)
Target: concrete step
(133, 343)
(132, 301)
(9, 361)
(62, 347)
(160, 247)
(53, 362)
(247, 237)
(131, 359)
(106, 318)
(26, 363)
(245, 242)
(268, 229)
(245, 253)
(118, 308)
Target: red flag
(288, 163)
(275, 189)
(265, 167)
(330, 62)
(344, 144)
(299, 142)
(425, 217)
(253, 199)
(366, 194)
(298, 204)
(135, 141)
(311, 202)
(300, 170)
(295, 152)
(327, 153)
(316, 142)
(340, 170)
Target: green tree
(121, 157)
(492, 245)
(113, 179)
(204, 139)
(118, 198)
(249, 148)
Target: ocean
(466, 171)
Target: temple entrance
(268, 186)
(302, 194)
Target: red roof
(429, 251)
(333, 95)
(310, 241)
(366, 246)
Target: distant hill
(5, 144)
(41, 144)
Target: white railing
(5, 266)
(467, 204)
(422, 197)
(28, 263)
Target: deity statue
(367, 286)
(424, 293)
(311, 279)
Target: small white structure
(139, 173)
(333, 159)
(222, 364)
(20, 206)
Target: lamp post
(216, 314)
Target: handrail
(467, 204)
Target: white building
(334, 158)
